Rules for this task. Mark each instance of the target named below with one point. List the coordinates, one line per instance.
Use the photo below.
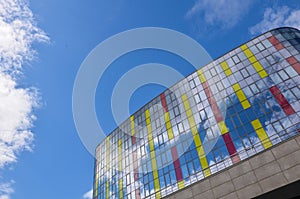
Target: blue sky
(44, 42)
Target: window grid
(273, 111)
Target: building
(229, 129)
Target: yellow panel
(263, 74)
(155, 174)
(151, 145)
(223, 128)
(96, 184)
(246, 104)
(226, 68)
(156, 184)
(121, 188)
(224, 65)
(197, 141)
(157, 194)
(252, 59)
(241, 96)
(157, 188)
(132, 125)
(207, 172)
(194, 129)
(189, 113)
(200, 151)
(236, 87)
(120, 167)
(149, 128)
(201, 76)
(264, 138)
(120, 154)
(169, 126)
(107, 153)
(228, 72)
(107, 189)
(167, 119)
(244, 47)
(107, 164)
(184, 97)
(196, 137)
(258, 67)
(248, 53)
(180, 184)
(154, 166)
(204, 165)
(256, 124)
(262, 135)
(152, 155)
(147, 114)
(192, 124)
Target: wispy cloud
(5, 190)
(219, 13)
(277, 17)
(87, 195)
(18, 31)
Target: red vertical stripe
(133, 140)
(174, 152)
(229, 144)
(135, 166)
(296, 66)
(231, 148)
(163, 102)
(137, 194)
(294, 62)
(176, 164)
(275, 43)
(136, 174)
(213, 103)
(216, 111)
(282, 101)
(291, 60)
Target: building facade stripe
(282, 101)
(273, 40)
(261, 133)
(196, 137)
(134, 157)
(255, 63)
(219, 118)
(176, 163)
(152, 155)
(256, 84)
(108, 152)
(120, 167)
(246, 104)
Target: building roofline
(269, 31)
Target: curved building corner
(228, 130)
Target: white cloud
(18, 31)
(87, 195)
(5, 190)
(220, 13)
(278, 17)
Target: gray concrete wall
(255, 176)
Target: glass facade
(229, 110)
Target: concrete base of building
(270, 173)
